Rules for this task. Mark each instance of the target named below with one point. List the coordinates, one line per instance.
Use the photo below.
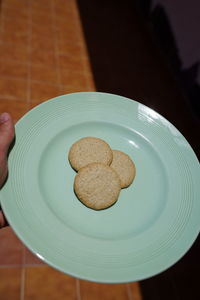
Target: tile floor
(43, 55)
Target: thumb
(6, 132)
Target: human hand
(7, 133)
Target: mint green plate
(155, 220)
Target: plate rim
(30, 247)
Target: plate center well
(138, 206)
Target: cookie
(97, 186)
(88, 150)
(124, 167)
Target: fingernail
(4, 117)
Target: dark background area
(127, 59)
(133, 53)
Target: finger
(3, 221)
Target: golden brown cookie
(97, 186)
(124, 167)
(88, 150)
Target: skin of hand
(7, 133)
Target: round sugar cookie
(88, 150)
(124, 167)
(97, 186)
